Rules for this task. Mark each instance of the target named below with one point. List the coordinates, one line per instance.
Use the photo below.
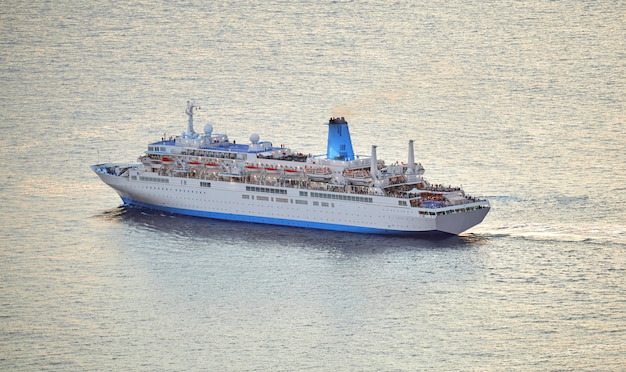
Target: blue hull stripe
(279, 221)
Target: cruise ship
(207, 175)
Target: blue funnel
(339, 142)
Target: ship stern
(456, 223)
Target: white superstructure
(206, 175)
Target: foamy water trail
(565, 233)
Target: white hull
(207, 175)
(287, 206)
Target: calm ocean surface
(519, 101)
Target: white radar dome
(254, 138)
(208, 129)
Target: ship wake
(560, 233)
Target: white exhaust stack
(374, 163)
(411, 158)
(410, 171)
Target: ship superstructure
(207, 175)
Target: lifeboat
(146, 160)
(167, 161)
(156, 163)
(230, 173)
(319, 174)
(292, 173)
(194, 164)
(251, 169)
(273, 170)
(359, 178)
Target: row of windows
(283, 192)
(156, 148)
(342, 197)
(276, 191)
(154, 179)
(212, 154)
(187, 190)
(279, 200)
(337, 196)
(266, 189)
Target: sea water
(519, 102)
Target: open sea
(523, 102)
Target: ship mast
(190, 110)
